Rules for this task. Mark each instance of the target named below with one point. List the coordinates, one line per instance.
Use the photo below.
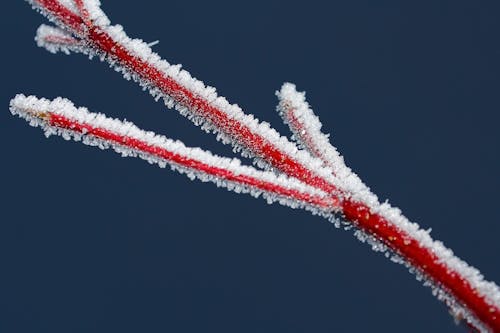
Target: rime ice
(314, 168)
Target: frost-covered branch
(189, 96)
(306, 131)
(55, 40)
(83, 27)
(306, 126)
(61, 117)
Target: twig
(61, 117)
(459, 285)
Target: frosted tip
(30, 106)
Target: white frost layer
(55, 40)
(294, 102)
(96, 14)
(142, 51)
(28, 106)
(70, 4)
(93, 7)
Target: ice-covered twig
(61, 117)
(306, 131)
(189, 96)
(55, 40)
(305, 126)
(462, 287)
(84, 13)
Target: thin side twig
(61, 117)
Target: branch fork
(308, 173)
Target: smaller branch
(306, 131)
(306, 126)
(192, 98)
(61, 12)
(61, 117)
(56, 40)
(84, 13)
(461, 286)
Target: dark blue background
(91, 242)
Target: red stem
(241, 133)
(138, 145)
(84, 13)
(424, 260)
(182, 95)
(299, 131)
(401, 242)
(398, 241)
(63, 14)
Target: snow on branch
(305, 126)
(306, 131)
(61, 117)
(200, 103)
(83, 27)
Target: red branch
(305, 137)
(374, 224)
(138, 145)
(402, 243)
(83, 12)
